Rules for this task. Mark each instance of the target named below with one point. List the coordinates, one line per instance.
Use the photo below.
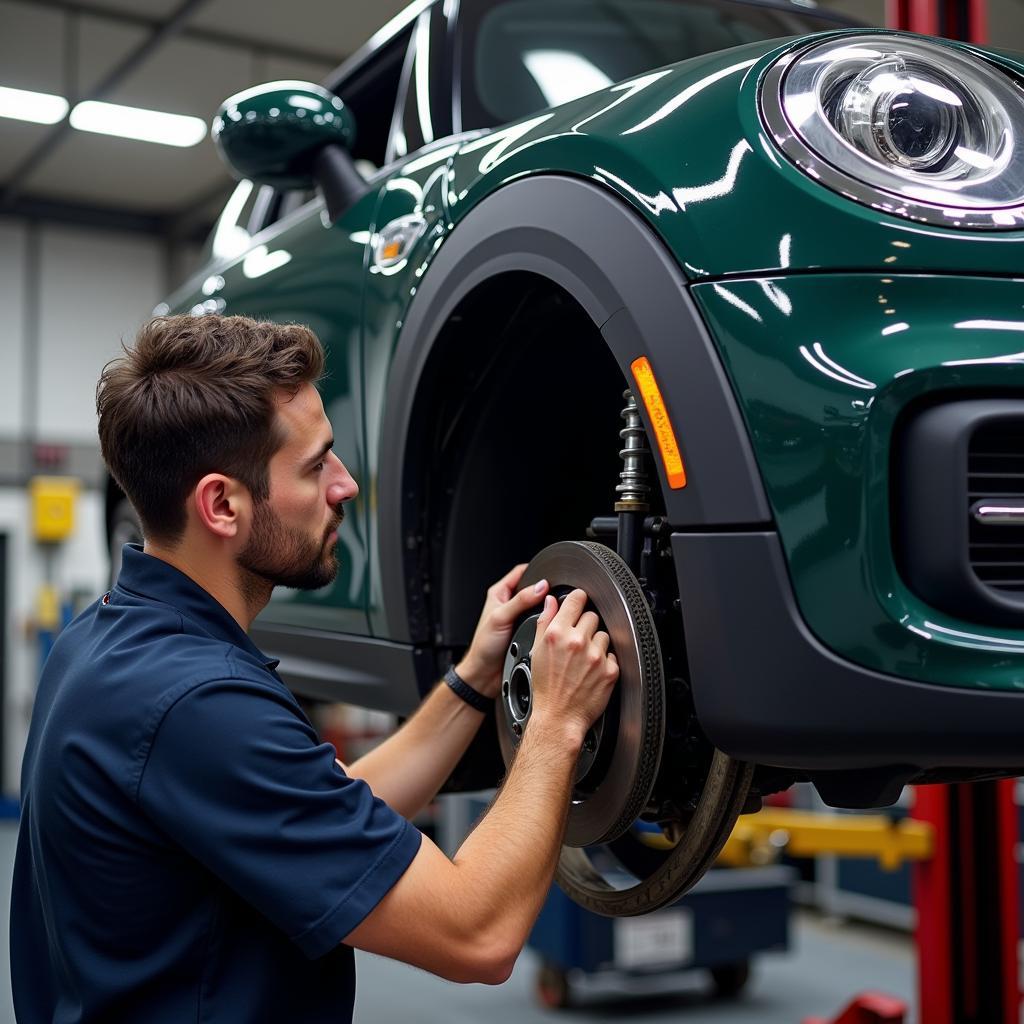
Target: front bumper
(767, 690)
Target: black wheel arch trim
(588, 241)
(767, 690)
(358, 670)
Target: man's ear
(222, 504)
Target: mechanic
(189, 849)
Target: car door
(302, 270)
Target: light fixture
(137, 123)
(38, 107)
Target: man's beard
(286, 557)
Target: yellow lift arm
(762, 837)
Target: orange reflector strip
(391, 250)
(658, 414)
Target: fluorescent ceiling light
(563, 76)
(39, 107)
(136, 123)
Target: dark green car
(799, 253)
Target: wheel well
(516, 426)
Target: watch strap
(475, 700)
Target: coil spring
(633, 489)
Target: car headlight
(907, 125)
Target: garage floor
(829, 964)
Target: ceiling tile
(186, 77)
(324, 26)
(31, 48)
(17, 140)
(119, 172)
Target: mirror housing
(290, 135)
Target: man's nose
(343, 487)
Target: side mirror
(291, 135)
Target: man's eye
(319, 466)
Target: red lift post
(967, 897)
(954, 19)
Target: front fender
(584, 239)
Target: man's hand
(481, 667)
(573, 670)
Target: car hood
(686, 147)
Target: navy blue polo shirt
(189, 850)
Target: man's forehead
(302, 417)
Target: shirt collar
(151, 577)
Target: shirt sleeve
(238, 778)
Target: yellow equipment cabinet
(53, 507)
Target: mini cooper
(711, 309)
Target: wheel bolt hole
(517, 728)
(520, 692)
(514, 649)
(504, 689)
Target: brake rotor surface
(619, 761)
(620, 874)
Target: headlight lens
(906, 124)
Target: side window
(371, 92)
(422, 115)
(231, 234)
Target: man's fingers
(546, 615)
(572, 608)
(601, 641)
(506, 613)
(588, 624)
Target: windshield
(520, 56)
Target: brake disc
(605, 865)
(619, 761)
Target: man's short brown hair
(195, 395)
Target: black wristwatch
(475, 700)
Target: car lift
(962, 840)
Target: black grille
(949, 458)
(995, 472)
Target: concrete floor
(830, 963)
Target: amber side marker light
(666, 436)
(391, 251)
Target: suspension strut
(633, 490)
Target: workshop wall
(69, 297)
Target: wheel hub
(619, 761)
(619, 764)
(517, 701)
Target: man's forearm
(409, 767)
(467, 919)
(520, 837)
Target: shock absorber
(632, 490)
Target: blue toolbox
(728, 916)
